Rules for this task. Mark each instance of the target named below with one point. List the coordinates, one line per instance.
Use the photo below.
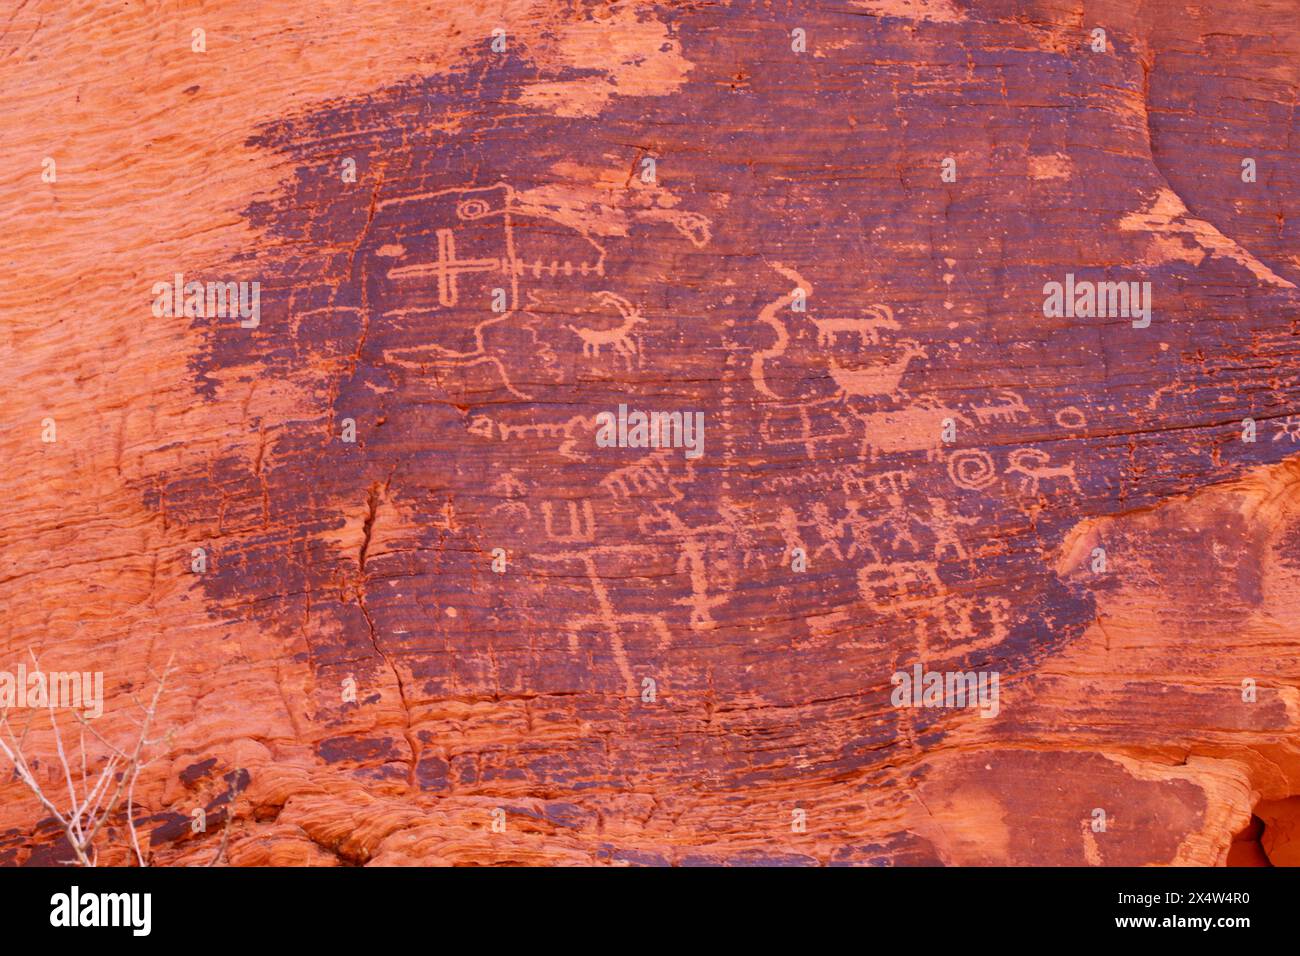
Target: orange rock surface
(478, 634)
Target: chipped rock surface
(479, 633)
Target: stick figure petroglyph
(733, 519)
(807, 437)
(1071, 417)
(652, 474)
(692, 225)
(700, 604)
(1289, 427)
(511, 490)
(768, 314)
(898, 522)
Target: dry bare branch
(87, 813)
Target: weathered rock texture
(524, 171)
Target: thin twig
(88, 812)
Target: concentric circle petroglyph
(971, 469)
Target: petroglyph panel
(905, 459)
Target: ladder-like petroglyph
(906, 458)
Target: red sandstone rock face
(651, 678)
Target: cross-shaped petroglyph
(873, 381)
